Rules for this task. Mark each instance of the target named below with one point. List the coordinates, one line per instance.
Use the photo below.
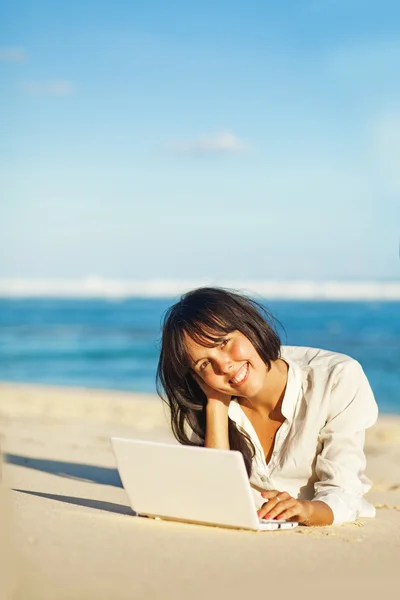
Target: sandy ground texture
(67, 531)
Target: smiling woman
(298, 415)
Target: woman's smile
(240, 376)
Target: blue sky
(212, 139)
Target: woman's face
(233, 367)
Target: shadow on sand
(98, 504)
(89, 473)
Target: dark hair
(206, 315)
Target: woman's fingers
(263, 511)
(278, 509)
(268, 494)
(282, 506)
(272, 497)
(277, 503)
(290, 514)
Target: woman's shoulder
(324, 366)
(317, 357)
(335, 380)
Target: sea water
(115, 344)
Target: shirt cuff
(345, 507)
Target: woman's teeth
(240, 375)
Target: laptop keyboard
(272, 521)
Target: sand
(67, 531)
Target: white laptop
(191, 484)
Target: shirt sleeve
(341, 464)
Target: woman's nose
(224, 364)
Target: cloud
(57, 87)
(12, 54)
(221, 142)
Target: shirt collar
(293, 388)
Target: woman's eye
(204, 364)
(224, 343)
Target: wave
(97, 287)
(136, 358)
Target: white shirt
(319, 449)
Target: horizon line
(93, 287)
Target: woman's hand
(281, 505)
(211, 394)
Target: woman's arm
(319, 513)
(341, 464)
(217, 408)
(217, 424)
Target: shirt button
(264, 478)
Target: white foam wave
(97, 287)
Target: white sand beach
(67, 531)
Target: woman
(298, 415)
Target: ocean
(114, 344)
